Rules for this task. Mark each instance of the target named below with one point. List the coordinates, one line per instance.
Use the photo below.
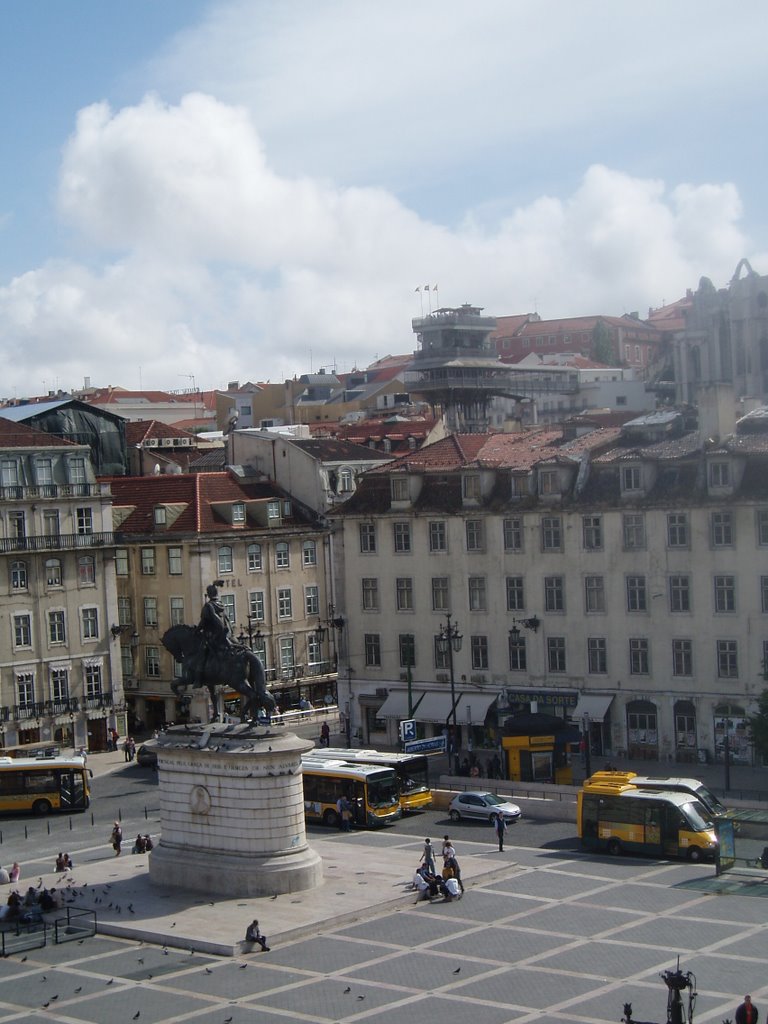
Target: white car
(487, 806)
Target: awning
(473, 707)
(395, 706)
(434, 706)
(595, 705)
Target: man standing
(747, 1012)
(501, 827)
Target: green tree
(602, 345)
(758, 723)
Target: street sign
(407, 730)
(436, 745)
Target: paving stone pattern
(560, 938)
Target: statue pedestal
(232, 812)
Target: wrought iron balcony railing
(57, 542)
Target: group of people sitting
(29, 908)
(429, 885)
(64, 862)
(142, 844)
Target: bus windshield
(383, 789)
(413, 775)
(697, 816)
(708, 798)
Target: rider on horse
(215, 627)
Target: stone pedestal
(232, 812)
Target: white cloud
(213, 264)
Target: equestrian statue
(209, 656)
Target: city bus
(373, 792)
(412, 771)
(43, 784)
(693, 787)
(621, 818)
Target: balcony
(18, 492)
(40, 709)
(59, 542)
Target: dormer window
(548, 482)
(719, 474)
(160, 517)
(470, 486)
(238, 512)
(345, 481)
(399, 488)
(631, 478)
(273, 510)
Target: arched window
(53, 572)
(254, 558)
(282, 555)
(225, 559)
(86, 570)
(18, 575)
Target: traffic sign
(407, 730)
(435, 745)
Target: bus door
(358, 805)
(71, 789)
(655, 828)
(673, 822)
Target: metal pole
(727, 753)
(587, 748)
(454, 743)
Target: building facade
(618, 579)
(60, 681)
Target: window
(53, 572)
(228, 602)
(438, 538)
(59, 684)
(57, 629)
(677, 530)
(224, 559)
(554, 595)
(592, 529)
(727, 659)
(402, 537)
(152, 662)
(126, 661)
(470, 486)
(254, 558)
(682, 658)
(150, 611)
(518, 661)
(175, 567)
(177, 611)
(725, 593)
(282, 555)
(406, 643)
(370, 587)
(238, 512)
(367, 538)
(479, 649)
(637, 598)
(25, 685)
(679, 594)
(86, 570)
(17, 525)
(638, 657)
(124, 611)
(147, 561)
(399, 488)
(762, 527)
(51, 526)
(551, 533)
(372, 643)
(556, 653)
(631, 478)
(93, 680)
(76, 468)
(477, 594)
(84, 519)
(18, 575)
(633, 529)
(719, 474)
(548, 482)
(9, 472)
(256, 605)
(440, 594)
(345, 481)
(513, 534)
(90, 621)
(160, 515)
(475, 529)
(287, 654)
(311, 600)
(764, 593)
(442, 658)
(404, 594)
(594, 594)
(284, 603)
(515, 594)
(597, 655)
(309, 553)
(273, 512)
(721, 529)
(314, 650)
(122, 563)
(22, 630)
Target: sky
(194, 192)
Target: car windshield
(697, 816)
(493, 800)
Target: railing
(49, 708)
(60, 541)
(297, 673)
(17, 492)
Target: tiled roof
(19, 435)
(328, 449)
(137, 431)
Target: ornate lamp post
(449, 640)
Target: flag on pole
(426, 287)
(417, 289)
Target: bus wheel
(331, 819)
(41, 807)
(454, 816)
(614, 847)
(694, 854)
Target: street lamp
(533, 623)
(449, 639)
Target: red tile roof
(138, 431)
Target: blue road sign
(425, 746)
(407, 730)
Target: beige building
(60, 677)
(177, 534)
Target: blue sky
(245, 190)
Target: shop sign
(554, 698)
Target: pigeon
(274, 897)
(173, 925)
(457, 970)
(140, 961)
(243, 966)
(46, 1005)
(347, 989)
(137, 1015)
(361, 997)
(208, 970)
(110, 981)
(78, 989)
(55, 997)
(23, 959)
(227, 1020)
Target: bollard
(92, 821)
(70, 824)
(146, 816)
(26, 836)
(48, 825)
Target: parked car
(482, 805)
(146, 757)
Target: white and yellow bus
(373, 792)
(43, 784)
(412, 771)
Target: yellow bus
(372, 792)
(412, 771)
(43, 784)
(621, 818)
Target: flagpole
(421, 299)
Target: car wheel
(614, 847)
(331, 819)
(694, 854)
(41, 807)
(454, 816)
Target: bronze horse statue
(233, 665)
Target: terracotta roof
(19, 435)
(581, 323)
(510, 325)
(329, 449)
(137, 431)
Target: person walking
(500, 827)
(428, 857)
(747, 1013)
(116, 838)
